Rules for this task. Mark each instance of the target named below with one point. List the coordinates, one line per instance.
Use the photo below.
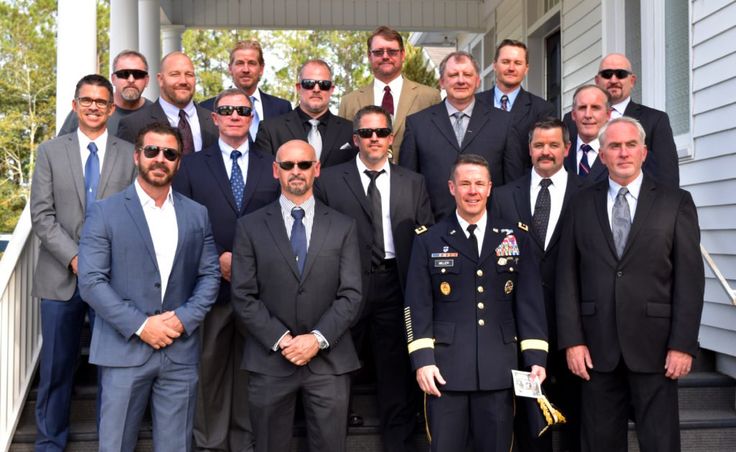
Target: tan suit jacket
(414, 97)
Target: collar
(99, 141)
(146, 201)
(227, 149)
(451, 110)
(559, 179)
(634, 187)
(595, 144)
(173, 110)
(621, 106)
(395, 84)
(512, 95)
(287, 204)
(306, 118)
(361, 166)
(464, 224)
(257, 96)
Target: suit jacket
(598, 171)
(58, 206)
(465, 314)
(512, 202)
(271, 298)
(337, 140)
(203, 178)
(430, 148)
(120, 279)
(409, 208)
(414, 97)
(272, 106)
(643, 304)
(662, 162)
(131, 124)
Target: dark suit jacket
(527, 109)
(131, 124)
(598, 171)
(270, 296)
(203, 178)
(662, 161)
(430, 148)
(274, 132)
(643, 304)
(272, 106)
(340, 188)
(512, 202)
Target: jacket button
(157, 285)
(481, 322)
(481, 305)
(479, 272)
(443, 271)
(480, 289)
(619, 274)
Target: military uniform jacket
(469, 315)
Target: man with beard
(130, 78)
(176, 82)
(148, 265)
(296, 284)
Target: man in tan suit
(389, 89)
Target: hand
(677, 364)
(301, 349)
(73, 264)
(170, 319)
(578, 361)
(285, 341)
(157, 333)
(538, 373)
(426, 377)
(226, 263)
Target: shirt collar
(147, 201)
(99, 141)
(362, 168)
(464, 224)
(559, 179)
(595, 144)
(287, 204)
(306, 118)
(451, 110)
(512, 95)
(634, 187)
(173, 110)
(394, 84)
(227, 149)
(621, 106)
(257, 96)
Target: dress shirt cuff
(140, 329)
(276, 345)
(323, 344)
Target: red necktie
(388, 100)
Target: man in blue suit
(231, 179)
(148, 266)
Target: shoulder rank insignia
(420, 230)
(523, 227)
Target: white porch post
(76, 50)
(123, 28)
(149, 37)
(171, 38)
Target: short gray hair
(625, 120)
(459, 55)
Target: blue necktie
(584, 167)
(256, 119)
(299, 238)
(91, 174)
(236, 179)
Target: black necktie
(374, 198)
(186, 133)
(473, 239)
(299, 238)
(540, 219)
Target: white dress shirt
(226, 149)
(257, 103)
(172, 114)
(556, 196)
(480, 231)
(84, 141)
(383, 184)
(396, 85)
(632, 197)
(592, 155)
(617, 110)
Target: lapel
(133, 206)
(442, 123)
(320, 228)
(256, 171)
(157, 113)
(644, 204)
(523, 202)
(406, 99)
(398, 192)
(354, 184)
(490, 243)
(219, 174)
(294, 124)
(477, 122)
(600, 198)
(633, 110)
(71, 147)
(275, 225)
(113, 159)
(182, 225)
(332, 131)
(456, 239)
(365, 95)
(573, 185)
(266, 104)
(522, 105)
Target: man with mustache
(591, 109)
(176, 82)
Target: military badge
(508, 287)
(445, 288)
(502, 261)
(523, 227)
(420, 230)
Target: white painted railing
(20, 326)
(717, 272)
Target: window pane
(633, 42)
(678, 63)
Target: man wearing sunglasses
(389, 89)
(71, 172)
(616, 76)
(231, 179)
(130, 78)
(389, 203)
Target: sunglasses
(391, 52)
(368, 133)
(619, 73)
(227, 110)
(152, 151)
(324, 85)
(137, 74)
(303, 165)
(88, 101)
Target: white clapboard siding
(581, 45)
(509, 15)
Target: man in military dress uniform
(473, 297)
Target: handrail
(716, 271)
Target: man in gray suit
(149, 268)
(296, 283)
(71, 172)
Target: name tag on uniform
(444, 263)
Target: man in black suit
(388, 203)
(176, 83)
(296, 284)
(460, 125)
(312, 120)
(231, 179)
(629, 297)
(511, 64)
(616, 77)
(540, 199)
(246, 68)
(591, 110)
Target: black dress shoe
(355, 420)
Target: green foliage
(416, 69)
(103, 38)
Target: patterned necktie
(473, 239)
(459, 127)
(621, 221)
(91, 174)
(505, 103)
(314, 137)
(186, 133)
(374, 198)
(256, 120)
(236, 179)
(299, 238)
(540, 219)
(388, 100)
(584, 166)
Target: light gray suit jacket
(58, 206)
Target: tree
(415, 67)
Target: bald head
(616, 77)
(176, 80)
(295, 167)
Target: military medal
(508, 287)
(445, 288)
(502, 261)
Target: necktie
(459, 127)
(91, 174)
(505, 103)
(186, 133)
(374, 197)
(256, 120)
(388, 100)
(584, 166)
(299, 238)
(540, 219)
(473, 239)
(236, 179)
(314, 137)
(621, 221)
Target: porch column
(123, 29)
(149, 37)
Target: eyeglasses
(368, 133)
(619, 73)
(227, 110)
(303, 165)
(137, 74)
(324, 85)
(152, 151)
(88, 101)
(379, 52)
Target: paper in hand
(524, 386)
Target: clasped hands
(299, 350)
(161, 329)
